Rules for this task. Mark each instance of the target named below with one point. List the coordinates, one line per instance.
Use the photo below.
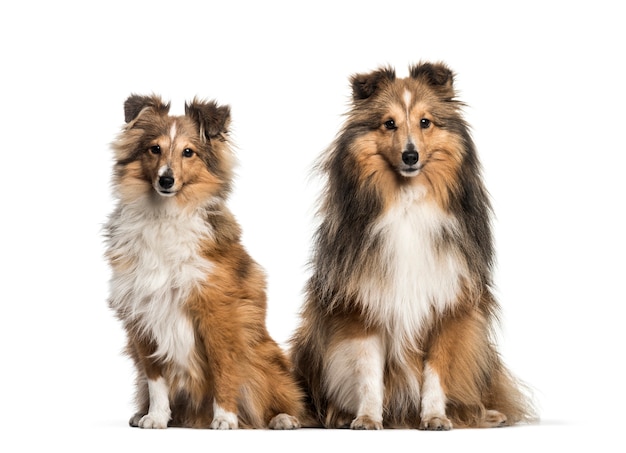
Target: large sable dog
(397, 323)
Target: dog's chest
(161, 268)
(420, 268)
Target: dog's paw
(134, 420)
(440, 423)
(153, 421)
(226, 420)
(494, 419)
(366, 422)
(284, 421)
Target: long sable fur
(345, 247)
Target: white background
(544, 83)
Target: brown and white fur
(190, 298)
(396, 328)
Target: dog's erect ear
(136, 103)
(212, 119)
(437, 75)
(364, 85)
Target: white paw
(366, 422)
(154, 421)
(225, 422)
(436, 423)
(223, 419)
(284, 421)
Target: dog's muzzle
(410, 160)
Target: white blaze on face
(173, 133)
(172, 139)
(163, 170)
(407, 98)
(407, 105)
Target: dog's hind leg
(493, 419)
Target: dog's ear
(437, 75)
(136, 103)
(364, 85)
(212, 119)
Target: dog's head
(184, 157)
(410, 125)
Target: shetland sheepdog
(397, 324)
(191, 299)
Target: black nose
(166, 182)
(410, 157)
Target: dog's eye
(156, 149)
(391, 125)
(188, 152)
(424, 123)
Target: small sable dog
(191, 299)
(397, 323)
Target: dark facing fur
(345, 249)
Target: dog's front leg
(355, 380)
(224, 418)
(433, 403)
(159, 412)
(152, 388)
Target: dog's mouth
(409, 171)
(166, 193)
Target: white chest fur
(417, 275)
(162, 247)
